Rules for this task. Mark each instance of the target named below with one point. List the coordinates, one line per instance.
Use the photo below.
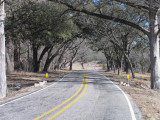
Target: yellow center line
(62, 102)
(51, 117)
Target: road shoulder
(27, 91)
(145, 98)
(134, 109)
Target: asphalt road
(81, 95)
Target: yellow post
(46, 75)
(128, 78)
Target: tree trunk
(120, 67)
(41, 57)
(70, 65)
(47, 64)
(28, 58)
(114, 67)
(9, 58)
(55, 67)
(9, 65)
(17, 63)
(82, 65)
(108, 66)
(154, 47)
(35, 58)
(103, 67)
(130, 65)
(149, 69)
(63, 65)
(120, 71)
(50, 59)
(127, 67)
(59, 61)
(3, 84)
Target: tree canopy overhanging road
(41, 36)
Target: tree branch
(107, 18)
(141, 7)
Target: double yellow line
(68, 105)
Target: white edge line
(19, 98)
(128, 101)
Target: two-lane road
(81, 95)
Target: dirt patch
(23, 82)
(139, 89)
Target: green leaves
(40, 23)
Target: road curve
(81, 95)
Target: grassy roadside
(147, 99)
(26, 80)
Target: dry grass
(146, 98)
(27, 81)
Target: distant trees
(74, 50)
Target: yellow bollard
(128, 79)
(46, 75)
